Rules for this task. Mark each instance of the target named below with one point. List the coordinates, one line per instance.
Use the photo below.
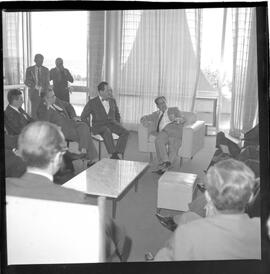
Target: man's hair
(230, 184)
(45, 91)
(39, 142)
(101, 85)
(13, 94)
(159, 97)
(37, 56)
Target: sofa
(192, 139)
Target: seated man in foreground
(106, 120)
(167, 124)
(226, 233)
(61, 113)
(42, 145)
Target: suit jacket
(15, 121)
(221, 237)
(98, 112)
(40, 187)
(30, 79)
(63, 81)
(50, 115)
(151, 121)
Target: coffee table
(108, 178)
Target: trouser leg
(118, 129)
(85, 140)
(173, 147)
(106, 134)
(35, 100)
(160, 143)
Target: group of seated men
(105, 121)
(39, 143)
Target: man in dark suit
(42, 146)
(15, 117)
(106, 120)
(61, 113)
(60, 77)
(37, 77)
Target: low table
(108, 178)
(175, 190)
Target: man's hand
(179, 120)
(76, 119)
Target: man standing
(42, 146)
(60, 77)
(106, 120)
(61, 113)
(167, 125)
(37, 77)
(15, 117)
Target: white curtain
(11, 53)
(245, 83)
(95, 50)
(160, 56)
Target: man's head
(39, 59)
(48, 95)
(15, 98)
(59, 62)
(161, 103)
(42, 145)
(230, 185)
(104, 90)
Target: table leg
(136, 185)
(114, 208)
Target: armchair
(192, 140)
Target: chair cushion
(190, 117)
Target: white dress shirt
(165, 120)
(105, 104)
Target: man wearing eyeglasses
(42, 146)
(62, 113)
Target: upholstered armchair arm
(193, 139)
(143, 133)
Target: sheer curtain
(160, 56)
(245, 83)
(95, 50)
(11, 52)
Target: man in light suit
(106, 120)
(167, 125)
(37, 77)
(61, 113)
(227, 232)
(15, 117)
(42, 146)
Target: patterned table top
(108, 177)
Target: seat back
(51, 232)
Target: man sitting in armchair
(167, 125)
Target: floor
(136, 210)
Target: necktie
(23, 114)
(59, 110)
(160, 118)
(39, 77)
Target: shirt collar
(101, 100)
(40, 172)
(14, 108)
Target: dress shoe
(115, 156)
(90, 163)
(167, 222)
